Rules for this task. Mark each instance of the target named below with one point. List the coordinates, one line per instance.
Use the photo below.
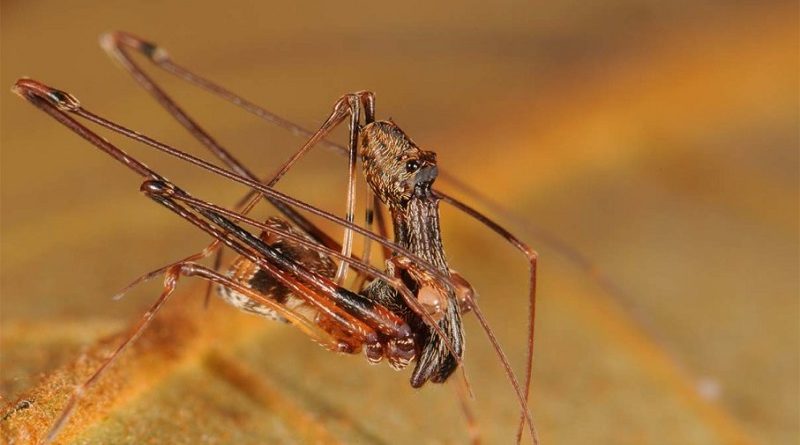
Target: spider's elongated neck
(416, 227)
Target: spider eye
(412, 166)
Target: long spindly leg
(532, 258)
(366, 252)
(205, 253)
(171, 277)
(353, 103)
(117, 44)
(348, 104)
(169, 286)
(352, 154)
(473, 427)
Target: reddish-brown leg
(205, 253)
(464, 402)
(366, 252)
(532, 257)
(116, 45)
(171, 277)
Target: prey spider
(409, 312)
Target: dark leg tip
(112, 41)
(29, 88)
(157, 187)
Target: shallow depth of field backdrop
(658, 139)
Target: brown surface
(658, 139)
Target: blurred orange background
(657, 139)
